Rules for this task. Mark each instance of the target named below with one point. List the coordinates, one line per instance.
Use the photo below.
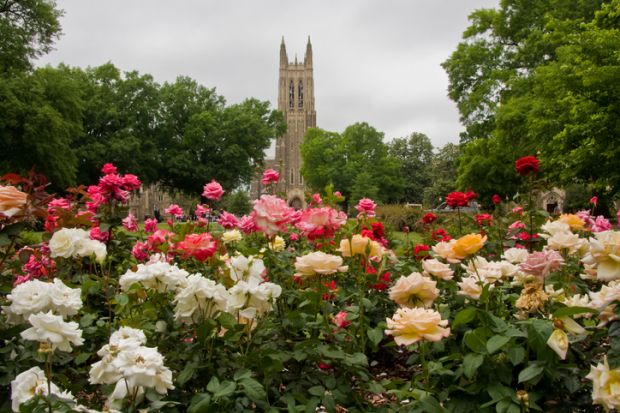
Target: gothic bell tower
(296, 101)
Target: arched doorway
(296, 203)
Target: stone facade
(296, 102)
(151, 201)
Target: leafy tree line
(67, 122)
(358, 163)
(541, 78)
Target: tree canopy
(539, 78)
(415, 155)
(28, 29)
(356, 162)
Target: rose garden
(510, 310)
(153, 258)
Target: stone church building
(296, 102)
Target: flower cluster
(76, 242)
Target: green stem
(48, 375)
(458, 211)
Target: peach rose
(468, 245)
(414, 290)
(360, 245)
(575, 223)
(471, 287)
(318, 263)
(410, 325)
(605, 385)
(12, 201)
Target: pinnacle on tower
(283, 56)
(308, 57)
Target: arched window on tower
(291, 95)
(300, 94)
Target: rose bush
(284, 310)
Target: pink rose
(340, 319)
(213, 191)
(150, 225)
(316, 199)
(270, 176)
(174, 210)
(202, 211)
(271, 214)
(108, 168)
(57, 204)
(131, 182)
(228, 220)
(98, 235)
(199, 246)
(246, 224)
(140, 251)
(366, 206)
(320, 222)
(517, 210)
(594, 200)
(130, 223)
(294, 237)
(541, 264)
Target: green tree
(28, 29)
(41, 115)
(554, 93)
(443, 174)
(237, 202)
(415, 154)
(121, 123)
(338, 159)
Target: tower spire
(283, 56)
(308, 56)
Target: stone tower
(296, 101)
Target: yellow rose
(575, 223)
(359, 245)
(468, 245)
(414, 290)
(410, 325)
(278, 244)
(558, 341)
(12, 200)
(318, 263)
(605, 385)
(231, 236)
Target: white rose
(605, 385)
(30, 383)
(566, 240)
(65, 301)
(471, 287)
(438, 269)
(64, 242)
(27, 298)
(444, 250)
(51, 328)
(88, 247)
(515, 255)
(201, 297)
(554, 227)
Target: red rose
(484, 219)
(526, 165)
(429, 218)
(470, 195)
(457, 199)
(440, 235)
(420, 251)
(496, 199)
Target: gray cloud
(374, 61)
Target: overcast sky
(376, 61)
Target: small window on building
(292, 177)
(301, 179)
(300, 94)
(291, 95)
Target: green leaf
(476, 340)
(471, 362)
(531, 372)
(226, 389)
(214, 384)
(242, 374)
(81, 358)
(121, 299)
(253, 389)
(516, 355)
(571, 311)
(496, 342)
(464, 316)
(200, 403)
(227, 320)
(317, 390)
(375, 335)
(186, 374)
